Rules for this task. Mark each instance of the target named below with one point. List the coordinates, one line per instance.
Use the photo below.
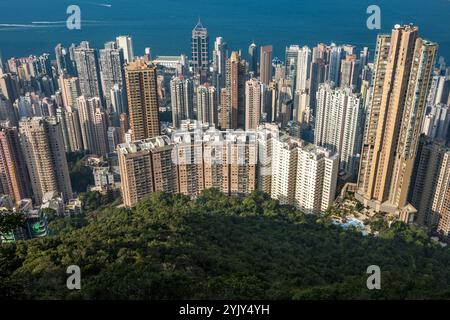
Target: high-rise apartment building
(267, 133)
(316, 178)
(303, 67)
(70, 90)
(234, 104)
(188, 157)
(43, 148)
(424, 182)
(441, 200)
(142, 96)
(317, 76)
(207, 104)
(403, 69)
(14, 179)
(112, 71)
(126, 44)
(182, 98)
(146, 166)
(336, 56)
(339, 124)
(220, 55)
(265, 64)
(88, 69)
(64, 62)
(71, 128)
(350, 73)
(94, 125)
(254, 96)
(291, 62)
(284, 169)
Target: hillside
(216, 247)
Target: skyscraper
(339, 124)
(112, 71)
(303, 66)
(64, 62)
(336, 56)
(188, 153)
(126, 44)
(182, 98)
(94, 125)
(254, 94)
(317, 171)
(207, 104)
(142, 94)
(146, 166)
(235, 92)
(43, 147)
(265, 64)
(7, 111)
(291, 62)
(317, 76)
(424, 182)
(350, 73)
(14, 179)
(253, 59)
(88, 69)
(403, 69)
(220, 55)
(441, 200)
(284, 169)
(70, 90)
(200, 50)
(71, 128)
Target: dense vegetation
(80, 176)
(170, 247)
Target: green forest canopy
(219, 247)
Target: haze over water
(36, 26)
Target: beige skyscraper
(317, 172)
(43, 148)
(126, 44)
(235, 92)
(242, 157)
(70, 121)
(254, 94)
(339, 124)
(441, 201)
(94, 125)
(403, 68)
(188, 153)
(265, 64)
(181, 96)
(215, 160)
(444, 222)
(70, 90)
(266, 134)
(146, 166)
(142, 93)
(284, 169)
(14, 180)
(207, 104)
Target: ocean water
(36, 26)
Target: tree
(10, 221)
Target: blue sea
(36, 26)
